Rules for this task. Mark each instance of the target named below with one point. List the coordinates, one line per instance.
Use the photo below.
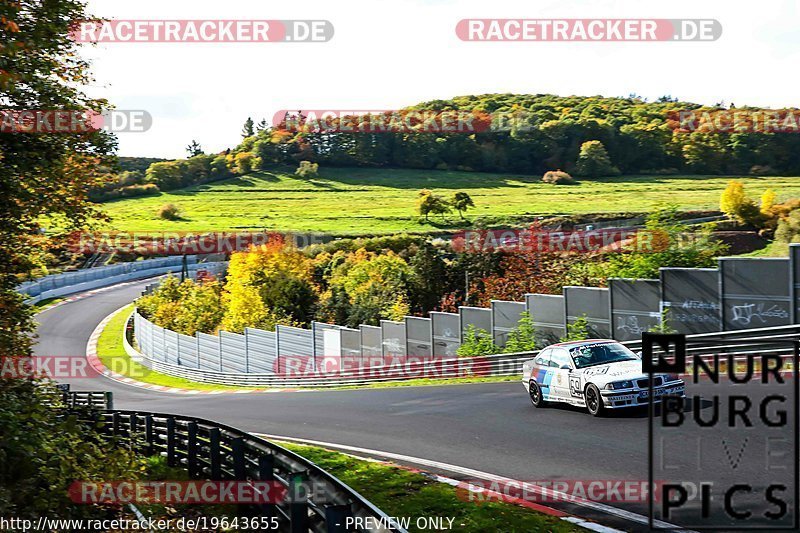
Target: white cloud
(387, 55)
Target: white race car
(597, 374)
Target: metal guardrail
(490, 365)
(315, 500)
(92, 278)
(93, 399)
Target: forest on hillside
(639, 136)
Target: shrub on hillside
(558, 177)
(762, 170)
(307, 169)
(169, 212)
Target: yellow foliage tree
(767, 201)
(268, 284)
(733, 198)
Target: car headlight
(616, 385)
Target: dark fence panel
(591, 302)
(755, 292)
(635, 306)
(371, 342)
(446, 333)
(505, 319)
(479, 317)
(691, 296)
(548, 313)
(394, 337)
(418, 336)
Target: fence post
(246, 352)
(191, 449)
(109, 398)
(171, 442)
(115, 423)
(237, 451)
(298, 498)
(336, 517)
(133, 427)
(220, 352)
(266, 472)
(148, 433)
(214, 454)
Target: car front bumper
(617, 399)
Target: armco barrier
(58, 285)
(485, 366)
(397, 370)
(315, 500)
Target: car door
(542, 371)
(560, 367)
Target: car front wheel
(536, 394)
(594, 403)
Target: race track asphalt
(489, 427)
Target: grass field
(369, 201)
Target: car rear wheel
(536, 394)
(594, 403)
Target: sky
(391, 54)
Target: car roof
(582, 343)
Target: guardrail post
(171, 442)
(133, 427)
(266, 472)
(148, 433)
(191, 449)
(115, 423)
(298, 498)
(215, 455)
(237, 451)
(109, 400)
(336, 518)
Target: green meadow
(381, 201)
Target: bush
(558, 177)
(307, 169)
(169, 212)
(523, 338)
(477, 342)
(762, 170)
(577, 331)
(139, 190)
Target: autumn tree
(45, 178)
(735, 203)
(429, 203)
(594, 162)
(267, 285)
(461, 201)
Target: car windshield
(600, 354)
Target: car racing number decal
(575, 388)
